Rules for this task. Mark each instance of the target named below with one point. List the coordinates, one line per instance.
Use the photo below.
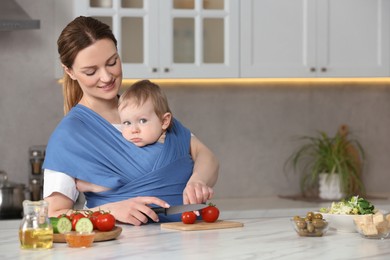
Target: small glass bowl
(79, 239)
(372, 231)
(306, 228)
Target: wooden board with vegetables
(99, 235)
(209, 220)
(102, 223)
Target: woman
(86, 140)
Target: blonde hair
(140, 92)
(76, 36)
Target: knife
(178, 209)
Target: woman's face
(98, 70)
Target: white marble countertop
(267, 234)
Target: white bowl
(341, 223)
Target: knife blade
(178, 209)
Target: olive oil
(35, 231)
(40, 238)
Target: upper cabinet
(172, 38)
(244, 38)
(314, 38)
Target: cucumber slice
(63, 225)
(84, 225)
(54, 223)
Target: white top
(59, 182)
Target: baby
(145, 117)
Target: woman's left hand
(197, 192)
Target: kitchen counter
(267, 234)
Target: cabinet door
(278, 38)
(353, 38)
(172, 38)
(198, 38)
(131, 22)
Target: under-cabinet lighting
(226, 82)
(256, 82)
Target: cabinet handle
(312, 69)
(166, 69)
(154, 70)
(323, 69)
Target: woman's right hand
(134, 211)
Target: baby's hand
(197, 192)
(83, 186)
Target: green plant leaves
(325, 154)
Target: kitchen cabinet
(172, 38)
(314, 38)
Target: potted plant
(333, 161)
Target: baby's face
(140, 124)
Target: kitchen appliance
(13, 17)
(12, 196)
(37, 156)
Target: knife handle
(160, 210)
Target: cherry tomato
(105, 222)
(74, 217)
(188, 217)
(210, 213)
(93, 217)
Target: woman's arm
(204, 176)
(60, 192)
(132, 211)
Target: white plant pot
(330, 187)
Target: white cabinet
(315, 38)
(172, 38)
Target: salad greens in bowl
(341, 214)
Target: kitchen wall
(250, 128)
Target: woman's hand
(134, 211)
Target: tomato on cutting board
(210, 213)
(188, 217)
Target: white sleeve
(59, 182)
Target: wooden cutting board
(201, 225)
(99, 236)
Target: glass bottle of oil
(35, 230)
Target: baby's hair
(140, 92)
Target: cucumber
(60, 225)
(84, 225)
(54, 223)
(64, 225)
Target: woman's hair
(76, 36)
(140, 92)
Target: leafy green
(353, 206)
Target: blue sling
(87, 147)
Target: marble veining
(262, 237)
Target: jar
(36, 231)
